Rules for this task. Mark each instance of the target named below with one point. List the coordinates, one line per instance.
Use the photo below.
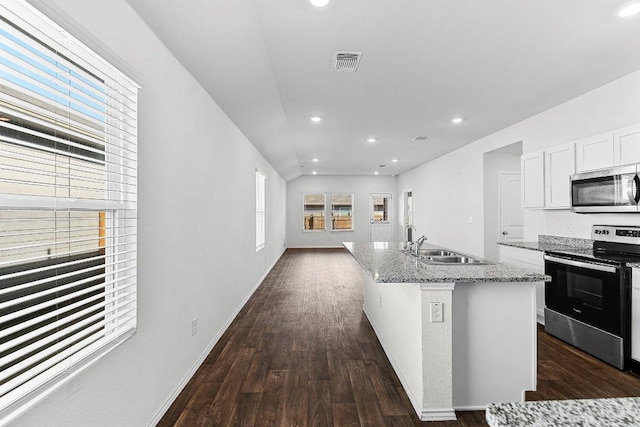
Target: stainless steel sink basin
(457, 259)
(435, 252)
(441, 256)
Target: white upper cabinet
(532, 180)
(559, 165)
(595, 152)
(626, 145)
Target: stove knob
(606, 231)
(598, 231)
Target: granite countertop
(384, 262)
(547, 243)
(583, 413)
(568, 245)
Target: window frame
(115, 206)
(352, 212)
(304, 210)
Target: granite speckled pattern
(584, 413)
(547, 243)
(384, 262)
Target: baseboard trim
(438, 415)
(413, 398)
(174, 394)
(540, 315)
(315, 247)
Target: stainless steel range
(588, 301)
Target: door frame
(500, 175)
(389, 211)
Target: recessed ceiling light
(457, 120)
(316, 119)
(394, 160)
(314, 173)
(315, 160)
(629, 10)
(319, 3)
(371, 140)
(376, 173)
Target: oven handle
(590, 266)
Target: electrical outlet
(569, 231)
(436, 312)
(194, 326)
(380, 301)
(470, 220)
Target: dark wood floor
(302, 353)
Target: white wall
(196, 250)
(448, 192)
(360, 186)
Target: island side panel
(494, 343)
(437, 366)
(394, 312)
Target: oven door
(610, 190)
(590, 292)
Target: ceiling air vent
(421, 138)
(346, 61)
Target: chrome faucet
(406, 233)
(419, 243)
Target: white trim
(315, 247)
(438, 415)
(470, 408)
(174, 394)
(60, 17)
(448, 286)
(17, 410)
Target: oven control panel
(616, 233)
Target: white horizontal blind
(68, 206)
(260, 209)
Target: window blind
(260, 209)
(68, 206)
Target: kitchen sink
(441, 256)
(436, 252)
(456, 259)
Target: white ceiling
(267, 63)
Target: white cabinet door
(595, 152)
(559, 165)
(532, 180)
(635, 314)
(626, 145)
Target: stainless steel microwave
(606, 190)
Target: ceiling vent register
(346, 62)
(421, 138)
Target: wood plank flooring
(302, 353)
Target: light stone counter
(386, 264)
(551, 413)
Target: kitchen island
(458, 336)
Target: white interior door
(381, 225)
(510, 207)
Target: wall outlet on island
(436, 312)
(568, 230)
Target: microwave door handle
(633, 189)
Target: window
(260, 210)
(380, 208)
(313, 212)
(68, 174)
(341, 212)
